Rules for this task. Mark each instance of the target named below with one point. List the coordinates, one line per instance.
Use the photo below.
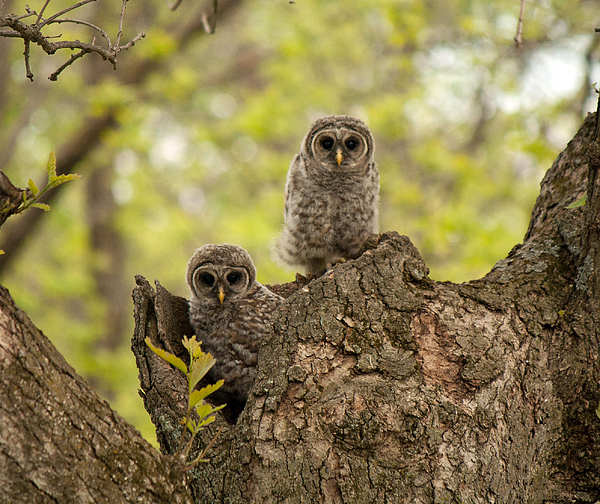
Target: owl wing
(247, 331)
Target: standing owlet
(331, 195)
(230, 312)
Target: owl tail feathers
(291, 258)
(281, 256)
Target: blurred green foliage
(465, 127)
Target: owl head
(219, 274)
(340, 143)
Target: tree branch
(28, 72)
(85, 23)
(64, 11)
(210, 25)
(72, 59)
(519, 36)
(33, 33)
(10, 198)
(39, 18)
(59, 442)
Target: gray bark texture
(378, 384)
(59, 441)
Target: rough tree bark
(59, 442)
(376, 384)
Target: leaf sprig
(200, 363)
(31, 197)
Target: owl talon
(338, 260)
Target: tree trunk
(376, 384)
(59, 442)
(379, 385)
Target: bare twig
(39, 18)
(85, 23)
(64, 11)
(33, 33)
(29, 13)
(28, 72)
(200, 457)
(73, 58)
(206, 24)
(519, 36)
(132, 42)
(120, 32)
(210, 26)
(215, 9)
(175, 4)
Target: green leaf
(33, 188)
(198, 395)
(61, 179)
(51, 166)
(580, 202)
(205, 410)
(169, 357)
(598, 411)
(191, 425)
(205, 422)
(199, 366)
(41, 206)
(193, 347)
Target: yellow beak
(221, 295)
(338, 156)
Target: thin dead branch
(120, 33)
(28, 72)
(54, 75)
(12, 25)
(64, 11)
(519, 36)
(39, 18)
(210, 25)
(88, 24)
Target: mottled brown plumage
(331, 196)
(230, 312)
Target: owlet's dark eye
(234, 278)
(207, 279)
(327, 143)
(351, 143)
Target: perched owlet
(331, 195)
(230, 312)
